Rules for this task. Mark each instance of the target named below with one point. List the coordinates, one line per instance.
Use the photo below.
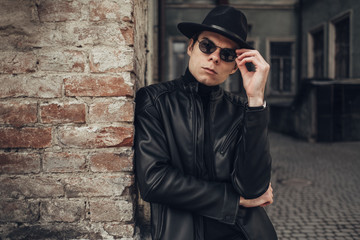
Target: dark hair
(195, 38)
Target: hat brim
(190, 29)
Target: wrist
(255, 102)
(256, 108)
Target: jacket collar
(191, 85)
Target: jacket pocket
(230, 136)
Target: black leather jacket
(169, 137)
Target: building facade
(311, 47)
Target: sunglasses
(226, 54)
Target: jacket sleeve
(252, 166)
(160, 182)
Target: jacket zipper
(195, 133)
(230, 137)
(198, 221)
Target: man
(201, 154)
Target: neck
(202, 88)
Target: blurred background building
(314, 84)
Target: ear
(235, 68)
(190, 47)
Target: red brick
(31, 187)
(17, 62)
(64, 162)
(111, 162)
(59, 11)
(108, 211)
(110, 34)
(128, 34)
(97, 86)
(115, 229)
(107, 10)
(48, 86)
(62, 113)
(18, 211)
(62, 211)
(19, 163)
(25, 138)
(96, 137)
(48, 35)
(75, 34)
(111, 110)
(18, 113)
(65, 61)
(97, 185)
(106, 59)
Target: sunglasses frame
(209, 47)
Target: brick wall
(67, 76)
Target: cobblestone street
(316, 189)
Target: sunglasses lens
(227, 54)
(206, 46)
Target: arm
(252, 166)
(160, 182)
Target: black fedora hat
(224, 20)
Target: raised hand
(254, 81)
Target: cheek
(229, 69)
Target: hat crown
(229, 19)
(224, 20)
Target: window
(318, 54)
(342, 48)
(282, 67)
(339, 48)
(178, 57)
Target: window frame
(292, 40)
(332, 42)
(310, 49)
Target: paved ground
(316, 187)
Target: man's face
(209, 69)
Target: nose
(215, 56)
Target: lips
(210, 70)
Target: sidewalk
(316, 189)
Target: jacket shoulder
(156, 90)
(148, 95)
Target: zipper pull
(194, 87)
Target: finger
(242, 63)
(244, 50)
(254, 53)
(243, 68)
(245, 55)
(247, 59)
(265, 204)
(256, 59)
